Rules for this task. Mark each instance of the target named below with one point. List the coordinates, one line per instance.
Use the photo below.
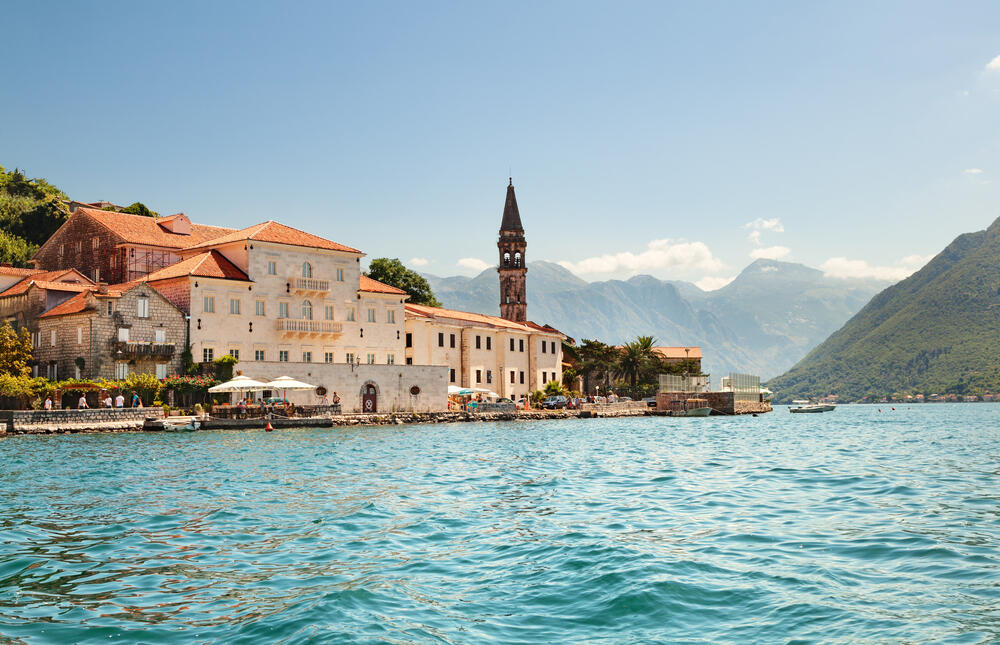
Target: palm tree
(635, 358)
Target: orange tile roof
(210, 264)
(15, 271)
(272, 231)
(138, 229)
(371, 285)
(479, 319)
(74, 305)
(678, 352)
(47, 280)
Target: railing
(294, 325)
(309, 284)
(620, 406)
(130, 348)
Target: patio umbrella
(288, 383)
(454, 389)
(239, 384)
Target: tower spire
(512, 269)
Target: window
(259, 308)
(160, 335)
(208, 306)
(307, 270)
(79, 246)
(52, 337)
(122, 335)
(109, 307)
(520, 344)
(95, 243)
(307, 310)
(328, 357)
(207, 355)
(409, 360)
(553, 376)
(283, 355)
(62, 250)
(522, 378)
(97, 274)
(371, 315)
(409, 339)
(512, 376)
(479, 376)
(282, 310)
(340, 275)
(121, 370)
(76, 372)
(489, 343)
(544, 377)
(390, 316)
(511, 344)
(479, 342)
(258, 355)
(161, 370)
(272, 267)
(371, 359)
(441, 341)
(350, 314)
(234, 306)
(452, 340)
(307, 357)
(451, 376)
(390, 359)
(350, 357)
(544, 345)
(235, 353)
(553, 347)
(79, 335)
(328, 312)
(489, 376)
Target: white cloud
(659, 254)
(419, 262)
(474, 263)
(841, 267)
(770, 253)
(754, 237)
(711, 284)
(994, 64)
(761, 224)
(973, 171)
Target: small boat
(190, 426)
(693, 408)
(812, 408)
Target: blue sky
(643, 137)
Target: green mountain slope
(935, 332)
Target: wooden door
(369, 399)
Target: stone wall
(720, 402)
(41, 421)
(73, 246)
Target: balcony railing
(310, 327)
(137, 349)
(309, 284)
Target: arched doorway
(369, 398)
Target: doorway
(369, 399)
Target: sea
(868, 524)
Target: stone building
(120, 247)
(110, 332)
(512, 269)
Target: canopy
(288, 383)
(239, 384)
(454, 389)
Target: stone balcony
(130, 349)
(308, 285)
(313, 328)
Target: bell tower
(513, 305)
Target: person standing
(107, 401)
(82, 403)
(48, 403)
(120, 400)
(136, 401)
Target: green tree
(15, 351)
(31, 209)
(394, 273)
(596, 362)
(224, 367)
(138, 208)
(636, 359)
(16, 250)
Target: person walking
(120, 400)
(82, 403)
(136, 401)
(48, 403)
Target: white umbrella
(239, 384)
(288, 383)
(454, 389)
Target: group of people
(106, 402)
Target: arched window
(517, 259)
(307, 270)
(307, 310)
(506, 258)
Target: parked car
(650, 401)
(554, 402)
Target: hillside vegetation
(30, 211)
(935, 332)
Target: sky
(680, 140)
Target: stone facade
(111, 338)
(512, 268)
(83, 244)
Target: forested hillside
(30, 211)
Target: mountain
(761, 323)
(934, 332)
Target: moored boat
(693, 408)
(812, 408)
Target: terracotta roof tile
(15, 271)
(138, 229)
(74, 305)
(210, 264)
(272, 231)
(479, 319)
(48, 280)
(371, 285)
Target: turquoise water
(851, 526)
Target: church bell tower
(513, 305)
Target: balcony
(308, 285)
(315, 328)
(131, 349)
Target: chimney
(102, 288)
